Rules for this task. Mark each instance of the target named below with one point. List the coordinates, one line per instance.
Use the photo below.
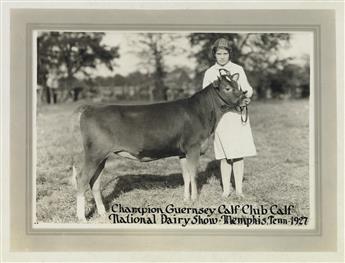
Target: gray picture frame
(23, 237)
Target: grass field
(277, 175)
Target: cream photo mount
(24, 237)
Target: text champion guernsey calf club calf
(150, 132)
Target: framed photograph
(174, 134)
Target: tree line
(66, 61)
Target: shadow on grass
(127, 183)
(213, 169)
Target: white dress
(233, 138)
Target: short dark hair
(220, 43)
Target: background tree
(180, 82)
(292, 81)
(71, 53)
(118, 80)
(153, 50)
(257, 53)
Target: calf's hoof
(225, 194)
(82, 220)
(240, 195)
(186, 199)
(101, 211)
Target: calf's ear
(215, 83)
(235, 76)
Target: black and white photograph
(174, 129)
(172, 132)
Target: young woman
(233, 138)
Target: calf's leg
(186, 179)
(95, 185)
(82, 184)
(88, 176)
(192, 160)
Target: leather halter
(242, 109)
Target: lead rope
(244, 114)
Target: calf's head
(228, 89)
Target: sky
(301, 43)
(129, 61)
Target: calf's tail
(75, 147)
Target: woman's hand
(245, 102)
